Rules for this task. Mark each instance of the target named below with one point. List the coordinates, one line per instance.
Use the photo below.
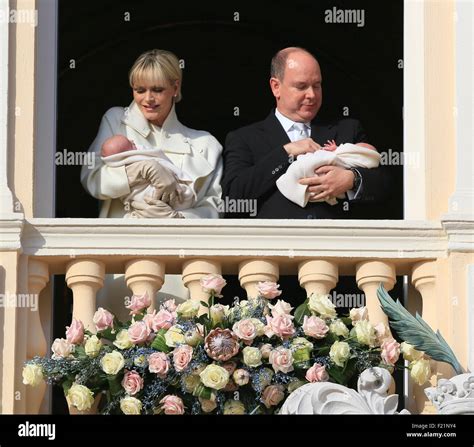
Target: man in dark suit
(255, 156)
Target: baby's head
(116, 145)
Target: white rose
(193, 337)
(80, 396)
(130, 405)
(259, 326)
(174, 336)
(234, 407)
(322, 305)
(190, 382)
(112, 363)
(420, 371)
(92, 346)
(32, 374)
(214, 376)
(252, 356)
(189, 309)
(409, 352)
(122, 340)
(218, 313)
(339, 352)
(339, 328)
(365, 333)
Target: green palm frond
(414, 330)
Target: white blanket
(145, 189)
(346, 156)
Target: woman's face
(155, 99)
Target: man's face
(299, 95)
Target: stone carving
(332, 398)
(453, 396)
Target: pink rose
(213, 283)
(169, 305)
(161, 320)
(103, 319)
(245, 330)
(317, 373)
(280, 308)
(382, 332)
(138, 303)
(359, 314)
(139, 332)
(75, 332)
(132, 382)
(268, 289)
(61, 348)
(159, 363)
(272, 395)
(172, 404)
(281, 359)
(281, 325)
(315, 327)
(182, 355)
(390, 351)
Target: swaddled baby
(120, 151)
(348, 155)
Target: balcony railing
(317, 251)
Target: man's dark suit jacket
(254, 158)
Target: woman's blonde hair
(157, 66)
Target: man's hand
(161, 178)
(330, 181)
(301, 147)
(155, 209)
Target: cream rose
(234, 407)
(266, 349)
(322, 305)
(193, 337)
(337, 327)
(214, 376)
(190, 382)
(130, 405)
(409, 352)
(189, 309)
(339, 352)
(174, 336)
(420, 371)
(80, 396)
(112, 362)
(252, 356)
(218, 313)
(32, 374)
(122, 340)
(365, 333)
(92, 346)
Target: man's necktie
(302, 131)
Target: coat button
(276, 170)
(273, 172)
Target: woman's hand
(162, 179)
(154, 209)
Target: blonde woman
(150, 122)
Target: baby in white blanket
(360, 155)
(120, 151)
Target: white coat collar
(171, 131)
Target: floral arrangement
(240, 359)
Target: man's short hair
(278, 64)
